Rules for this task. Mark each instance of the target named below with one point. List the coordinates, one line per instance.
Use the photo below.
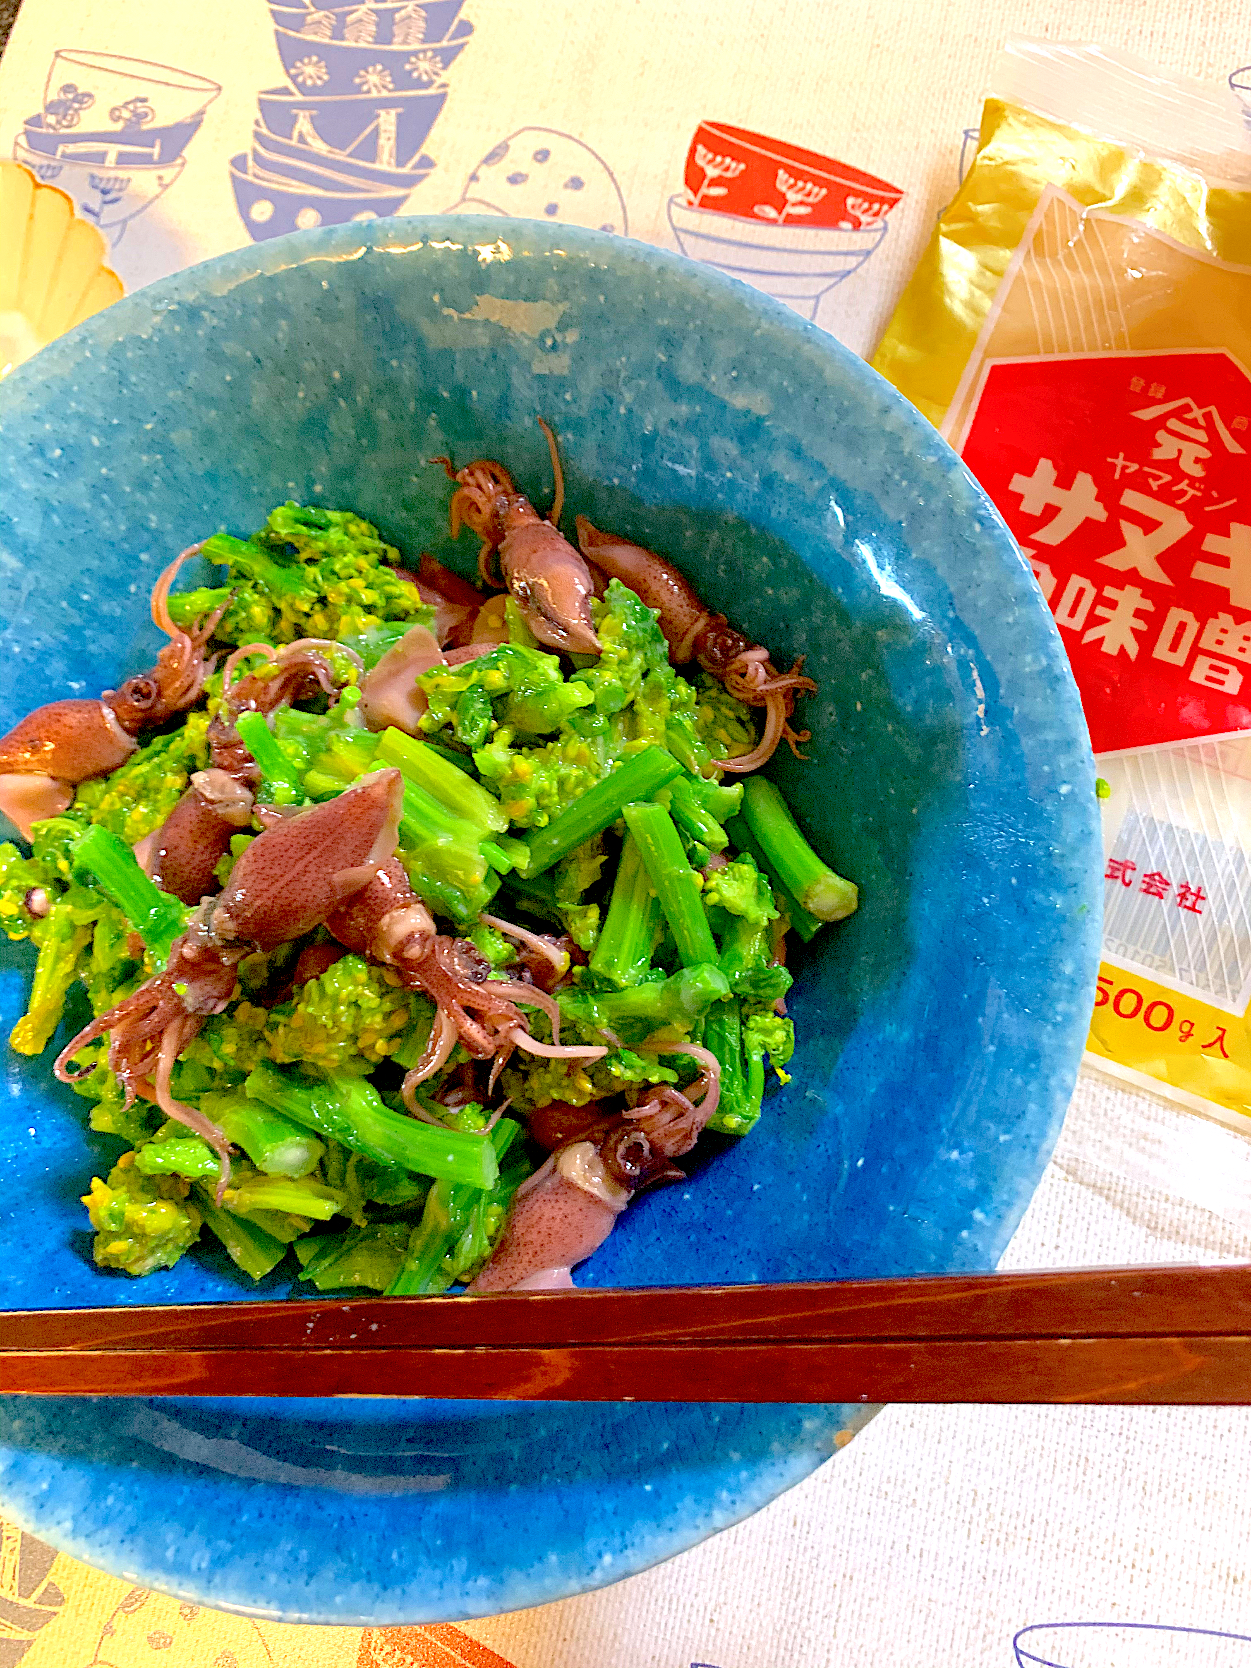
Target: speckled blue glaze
(950, 776)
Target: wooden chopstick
(1138, 1335)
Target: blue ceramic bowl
(344, 120)
(940, 1028)
(342, 66)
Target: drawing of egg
(538, 173)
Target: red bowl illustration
(732, 171)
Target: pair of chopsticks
(1136, 1335)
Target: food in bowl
(299, 1052)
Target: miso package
(1080, 331)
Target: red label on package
(1126, 479)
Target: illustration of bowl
(1240, 83)
(108, 197)
(327, 171)
(270, 208)
(540, 174)
(340, 66)
(1128, 1645)
(144, 147)
(52, 271)
(354, 123)
(121, 94)
(394, 23)
(968, 150)
(797, 265)
(732, 171)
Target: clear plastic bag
(1080, 330)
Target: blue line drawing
(798, 267)
(343, 140)
(289, 160)
(968, 150)
(539, 173)
(1240, 85)
(786, 220)
(112, 132)
(411, 24)
(1127, 1645)
(340, 65)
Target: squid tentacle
(693, 632)
(183, 853)
(51, 750)
(546, 575)
(388, 922)
(289, 880)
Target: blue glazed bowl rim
(1015, 583)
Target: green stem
(506, 854)
(721, 800)
(812, 883)
(537, 893)
(680, 1001)
(755, 1083)
(692, 816)
(189, 606)
(366, 1256)
(442, 1222)
(459, 794)
(685, 746)
(723, 1035)
(676, 883)
(255, 1251)
(628, 937)
(156, 916)
(638, 778)
(276, 1145)
(450, 1213)
(426, 819)
(61, 940)
(443, 896)
(444, 857)
(284, 1193)
(347, 755)
(349, 1110)
(280, 779)
(189, 1156)
(806, 925)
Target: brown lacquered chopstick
(1137, 1335)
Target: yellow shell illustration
(52, 271)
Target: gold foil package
(1080, 330)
